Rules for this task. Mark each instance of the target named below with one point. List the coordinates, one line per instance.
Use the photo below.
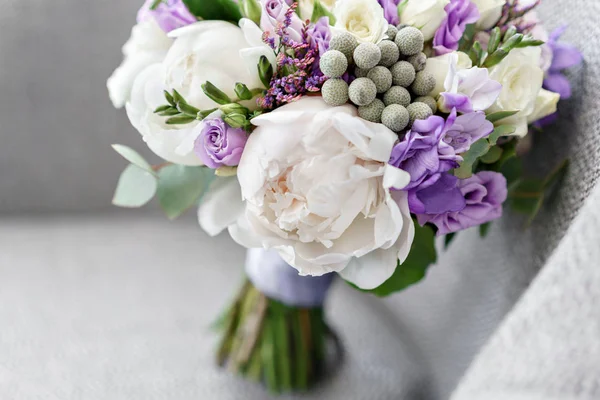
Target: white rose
(490, 10)
(440, 66)
(362, 18)
(306, 7)
(521, 78)
(204, 51)
(345, 220)
(147, 45)
(545, 104)
(427, 15)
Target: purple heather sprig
(295, 75)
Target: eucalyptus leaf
(492, 156)
(226, 10)
(136, 187)
(478, 149)
(133, 157)
(180, 187)
(499, 131)
(500, 115)
(414, 268)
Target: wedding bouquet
(334, 137)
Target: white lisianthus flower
(545, 104)
(362, 18)
(147, 45)
(306, 7)
(490, 10)
(204, 51)
(439, 67)
(427, 15)
(346, 220)
(521, 78)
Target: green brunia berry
(418, 111)
(397, 95)
(381, 77)
(403, 74)
(344, 42)
(389, 53)
(362, 91)
(424, 83)
(430, 101)
(361, 73)
(367, 55)
(335, 92)
(418, 61)
(333, 63)
(395, 117)
(372, 112)
(410, 41)
(391, 32)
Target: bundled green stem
(281, 346)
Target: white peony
(204, 51)
(147, 45)
(490, 10)
(439, 67)
(521, 78)
(316, 183)
(306, 7)
(362, 18)
(427, 15)
(545, 104)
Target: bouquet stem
(282, 346)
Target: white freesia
(306, 7)
(521, 78)
(345, 220)
(147, 45)
(439, 67)
(204, 51)
(427, 15)
(490, 10)
(545, 104)
(362, 18)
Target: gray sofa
(99, 303)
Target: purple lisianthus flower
(484, 194)
(437, 195)
(459, 13)
(563, 56)
(319, 35)
(218, 144)
(390, 10)
(466, 130)
(170, 14)
(273, 13)
(422, 153)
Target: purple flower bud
(169, 15)
(390, 10)
(274, 13)
(483, 193)
(459, 13)
(218, 144)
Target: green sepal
(236, 120)
(225, 10)
(242, 92)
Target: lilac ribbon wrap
(270, 274)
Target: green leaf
(170, 99)
(155, 4)
(478, 149)
(529, 42)
(188, 110)
(484, 229)
(234, 108)
(226, 10)
(251, 9)
(527, 198)
(495, 58)
(171, 112)
(136, 188)
(178, 98)
(235, 120)
(180, 187)
(448, 239)
(320, 11)
(499, 131)
(133, 157)
(163, 108)
(180, 120)
(265, 71)
(497, 116)
(512, 169)
(494, 42)
(215, 94)
(422, 255)
(510, 32)
(492, 156)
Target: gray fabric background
(102, 304)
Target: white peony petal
(371, 270)
(221, 206)
(395, 178)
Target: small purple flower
(320, 35)
(170, 14)
(466, 130)
(218, 144)
(423, 153)
(390, 10)
(459, 13)
(437, 195)
(274, 13)
(484, 194)
(563, 56)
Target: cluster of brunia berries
(390, 86)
